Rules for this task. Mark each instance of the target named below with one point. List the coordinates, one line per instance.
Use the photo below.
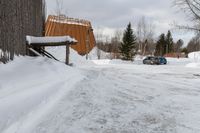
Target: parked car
(153, 60)
(162, 60)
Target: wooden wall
(81, 30)
(19, 18)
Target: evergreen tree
(161, 46)
(169, 43)
(127, 47)
(178, 45)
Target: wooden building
(19, 18)
(81, 30)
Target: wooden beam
(51, 44)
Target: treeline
(146, 42)
(194, 44)
(145, 35)
(19, 18)
(165, 45)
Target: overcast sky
(115, 14)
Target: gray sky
(115, 14)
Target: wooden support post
(27, 49)
(67, 55)
(38, 47)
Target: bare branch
(192, 8)
(187, 27)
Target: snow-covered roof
(55, 39)
(67, 20)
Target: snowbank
(60, 54)
(75, 58)
(32, 86)
(103, 55)
(194, 55)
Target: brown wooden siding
(78, 29)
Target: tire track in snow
(119, 100)
(102, 104)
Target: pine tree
(169, 43)
(127, 47)
(161, 45)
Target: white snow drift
(29, 89)
(194, 55)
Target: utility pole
(88, 41)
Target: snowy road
(128, 99)
(125, 98)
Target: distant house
(176, 55)
(79, 29)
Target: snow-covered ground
(194, 55)
(75, 58)
(38, 95)
(29, 89)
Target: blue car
(153, 60)
(162, 60)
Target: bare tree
(145, 36)
(192, 10)
(140, 30)
(59, 7)
(178, 45)
(99, 41)
(115, 43)
(194, 44)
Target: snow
(39, 95)
(74, 57)
(108, 61)
(29, 88)
(195, 56)
(54, 39)
(67, 20)
(103, 55)
(86, 23)
(193, 65)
